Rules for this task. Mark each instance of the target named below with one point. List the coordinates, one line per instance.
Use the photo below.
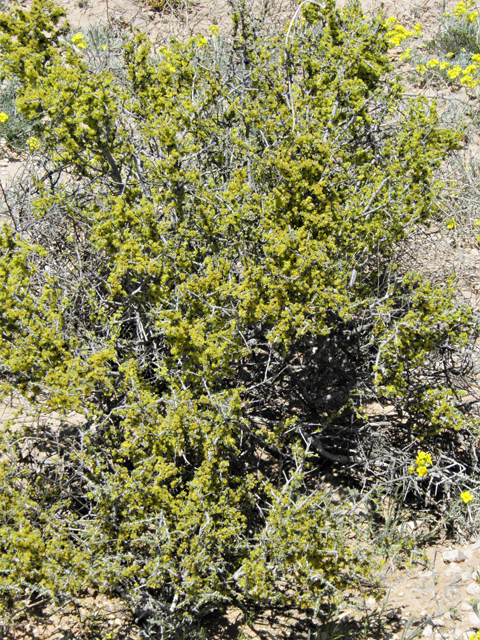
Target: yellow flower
(466, 496)
(423, 461)
(423, 458)
(470, 69)
(455, 72)
(33, 143)
(79, 40)
(468, 80)
(3, 117)
(460, 9)
(444, 65)
(476, 58)
(396, 33)
(450, 224)
(104, 46)
(432, 63)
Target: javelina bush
(199, 227)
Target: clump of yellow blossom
(466, 496)
(423, 461)
(79, 40)
(396, 33)
(462, 10)
(454, 72)
(468, 76)
(33, 143)
(3, 117)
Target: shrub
(202, 269)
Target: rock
(393, 613)
(401, 594)
(475, 545)
(466, 607)
(456, 555)
(423, 615)
(426, 573)
(467, 575)
(453, 570)
(438, 622)
(427, 632)
(469, 554)
(371, 603)
(450, 591)
(474, 620)
(473, 589)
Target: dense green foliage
(201, 267)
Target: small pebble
(466, 607)
(474, 620)
(426, 573)
(467, 575)
(427, 632)
(456, 555)
(393, 613)
(473, 589)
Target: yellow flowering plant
(201, 219)
(466, 497)
(79, 40)
(33, 143)
(422, 462)
(397, 33)
(456, 46)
